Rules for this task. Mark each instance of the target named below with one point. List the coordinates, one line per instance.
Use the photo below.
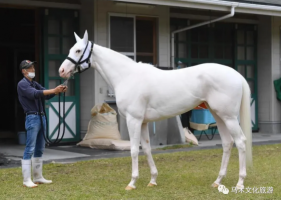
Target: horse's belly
(170, 110)
(153, 115)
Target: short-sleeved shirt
(30, 93)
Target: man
(30, 94)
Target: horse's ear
(85, 38)
(77, 37)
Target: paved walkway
(12, 154)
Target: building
(42, 30)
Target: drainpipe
(194, 26)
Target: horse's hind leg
(232, 126)
(227, 143)
(145, 142)
(240, 142)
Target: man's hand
(59, 89)
(56, 90)
(64, 88)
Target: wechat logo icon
(223, 189)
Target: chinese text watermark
(253, 190)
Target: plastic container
(22, 137)
(202, 116)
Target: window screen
(122, 34)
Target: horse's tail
(245, 121)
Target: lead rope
(48, 141)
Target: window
(122, 33)
(134, 36)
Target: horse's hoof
(34, 186)
(129, 188)
(151, 185)
(215, 185)
(240, 187)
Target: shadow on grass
(176, 146)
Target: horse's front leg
(134, 128)
(145, 143)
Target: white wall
(87, 79)
(269, 113)
(264, 68)
(276, 70)
(276, 73)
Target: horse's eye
(78, 51)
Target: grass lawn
(182, 175)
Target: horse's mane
(120, 55)
(126, 58)
(145, 64)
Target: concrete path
(72, 153)
(15, 152)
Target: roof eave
(215, 5)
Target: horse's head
(77, 57)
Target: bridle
(80, 61)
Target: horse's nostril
(62, 70)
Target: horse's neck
(112, 66)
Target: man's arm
(56, 90)
(51, 92)
(31, 93)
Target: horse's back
(217, 75)
(209, 76)
(197, 81)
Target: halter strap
(77, 64)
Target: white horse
(145, 94)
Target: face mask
(31, 74)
